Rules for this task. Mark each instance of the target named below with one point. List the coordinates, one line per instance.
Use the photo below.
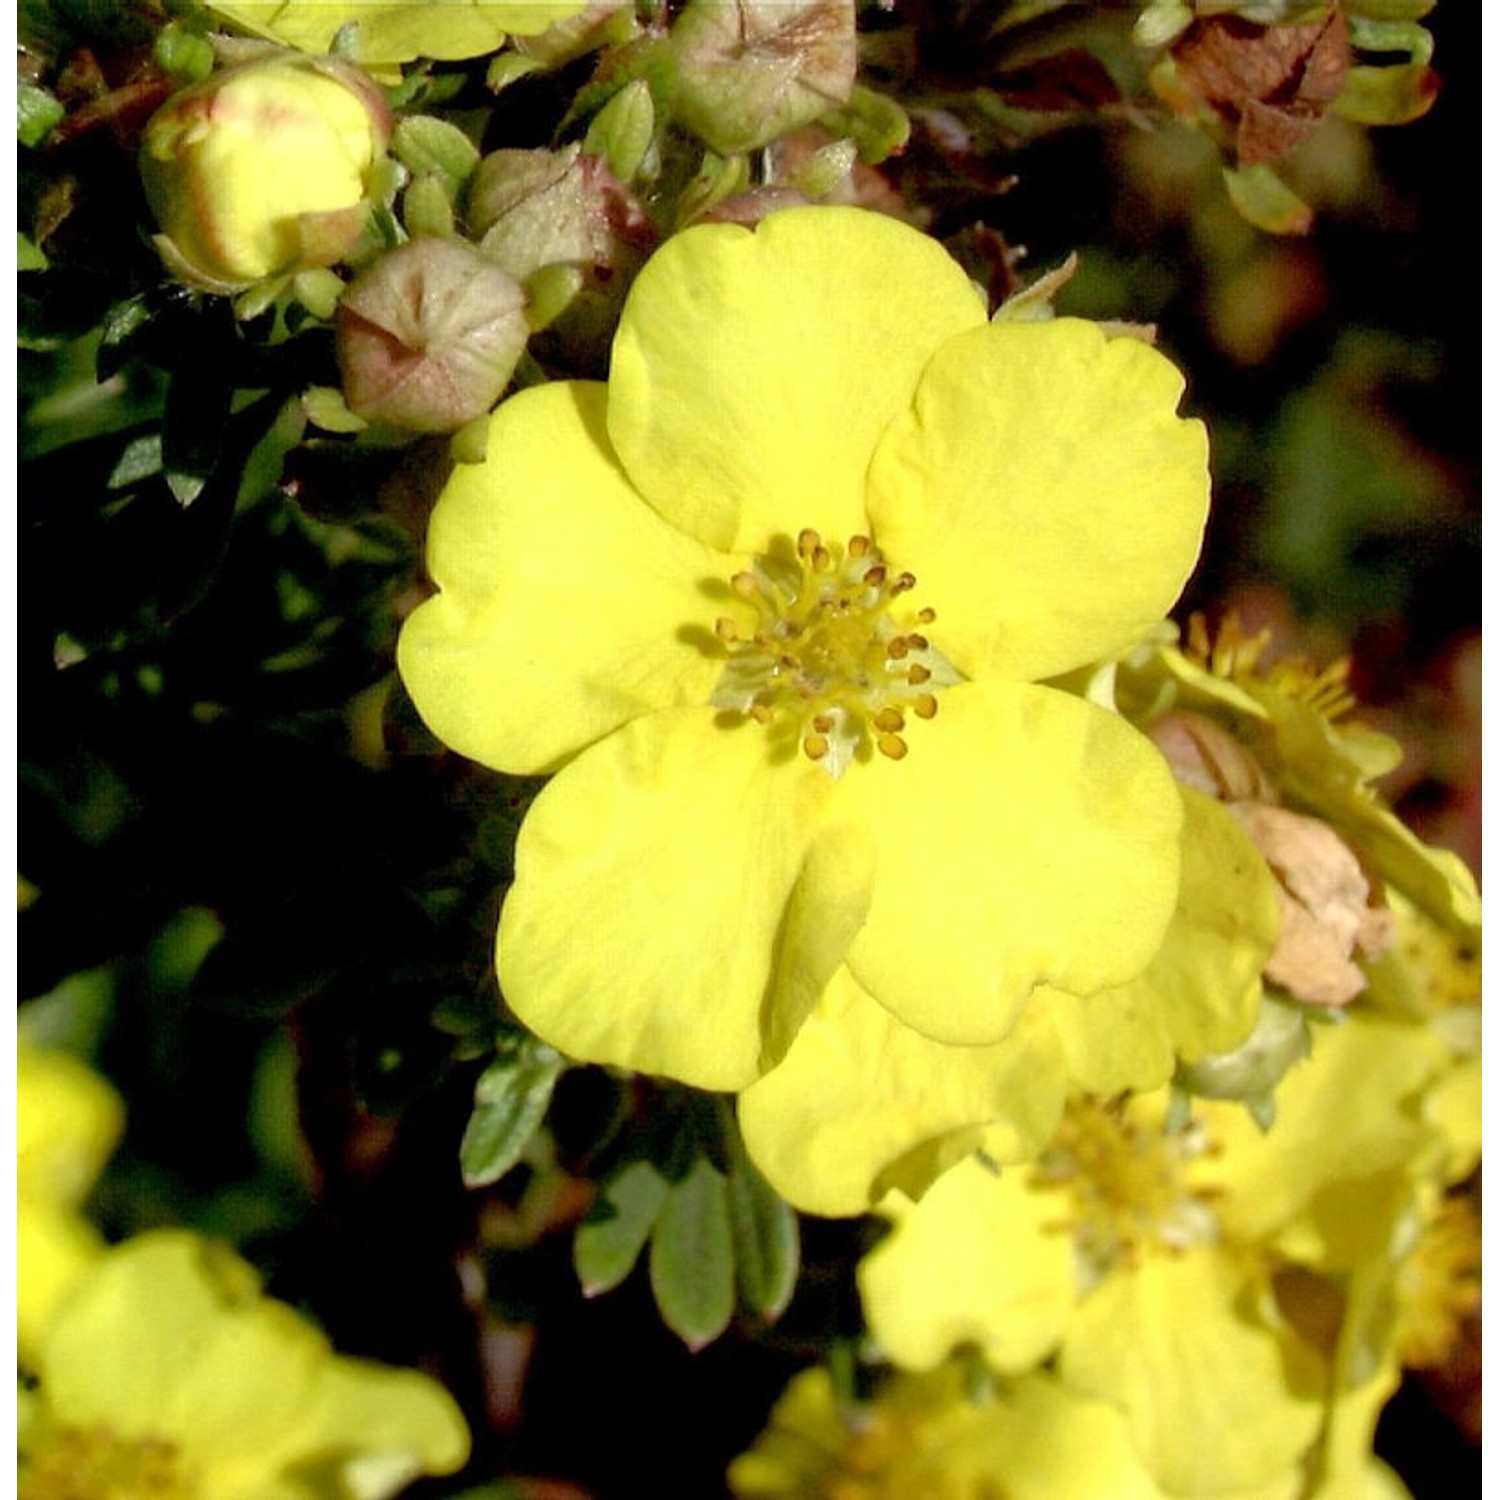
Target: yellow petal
(1045, 494)
(368, 1431)
(1200, 994)
(393, 33)
(68, 1119)
(652, 879)
(54, 1247)
(566, 606)
(980, 1259)
(167, 1337)
(1344, 1117)
(1029, 837)
(1217, 1395)
(754, 371)
(861, 1102)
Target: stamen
(828, 652)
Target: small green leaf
(766, 1240)
(507, 68)
(36, 114)
(877, 125)
(29, 255)
(427, 209)
(510, 1099)
(611, 1238)
(200, 388)
(621, 132)
(423, 144)
(692, 1257)
(140, 460)
(1266, 201)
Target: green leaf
(621, 132)
(510, 1099)
(766, 1239)
(877, 125)
(423, 144)
(141, 459)
(36, 114)
(611, 1238)
(1266, 201)
(29, 255)
(692, 1257)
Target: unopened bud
(751, 70)
(263, 168)
(428, 337)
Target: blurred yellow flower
(776, 603)
(1143, 1257)
(166, 1372)
(926, 1435)
(68, 1120)
(263, 168)
(391, 33)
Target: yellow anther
(815, 746)
(890, 720)
(875, 576)
(896, 648)
(918, 642)
(808, 541)
(892, 746)
(746, 585)
(904, 581)
(917, 674)
(760, 713)
(823, 723)
(858, 545)
(925, 707)
(927, 616)
(821, 560)
(726, 629)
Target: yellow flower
(392, 33)
(263, 168)
(68, 1119)
(924, 1435)
(1143, 1258)
(167, 1372)
(777, 600)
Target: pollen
(829, 652)
(1437, 1285)
(1128, 1182)
(94, 1464)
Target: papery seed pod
(427, 337)
(263, 168)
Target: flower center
(1129, 1185)
(1437, 1286)
(94, 1464)
(835, 655)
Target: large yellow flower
(167, 1373)
(777, 600)
(68, 1119)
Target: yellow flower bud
(263, 168)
